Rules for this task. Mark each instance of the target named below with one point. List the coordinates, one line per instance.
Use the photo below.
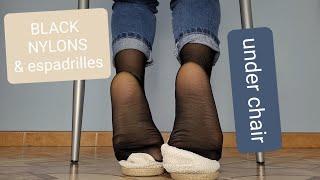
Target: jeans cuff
(199, 37)
(127, 42)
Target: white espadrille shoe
(182, 164)
(141, 164)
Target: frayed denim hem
(199, 36)
(132, 41)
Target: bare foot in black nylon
(196, 126)
(133, 128)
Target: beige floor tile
(52, 163)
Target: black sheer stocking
(196, 126)
(133, 128)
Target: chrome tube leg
(246, 14)
(247, 22)
(83, 4)
(260, 157)
(77, 111)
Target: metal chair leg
(260, 157)
(247, 22)
(77, 112)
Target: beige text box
(57, 45)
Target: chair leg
(247, 22)
(260, 157)
(77, 112)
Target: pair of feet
(196, 127)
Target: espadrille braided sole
(142, 171)
(141, 164)
(189, 176)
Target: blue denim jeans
(193, 21)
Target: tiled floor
(34, 163)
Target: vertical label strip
(254, 90)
